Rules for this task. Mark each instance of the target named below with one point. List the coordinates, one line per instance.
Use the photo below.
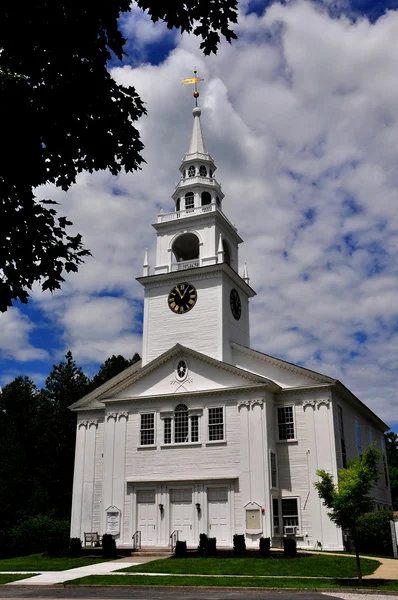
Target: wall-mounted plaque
(253, 518)
(113, 520)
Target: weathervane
(194, 80)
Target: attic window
(181, 369)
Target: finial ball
(196, 94)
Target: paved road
(158, 593)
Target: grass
(305, 565)
(39, 562)
(245, 582)
(7, 578)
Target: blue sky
(301, 116)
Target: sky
(301, 117)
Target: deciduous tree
(350, 497)
(63, 113)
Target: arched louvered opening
(227, 254)
(189, 201)
(205, 198)
(181, 427)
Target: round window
(191, 171)
(181, 369)
(203, 171)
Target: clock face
(182, 298)
(235, 304)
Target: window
(358, 436)
(273, 469)
(216, 423)
(202, 171)
(147, 431)
(181, 424)
(275, 516)
(182, 427)
(181, 369)
(290, 515)
(191, 171)
(189, 201)
(384, 460)
(178, 205)
(286, 423)
(342, 438)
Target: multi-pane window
(202, 171)
(147, 429)
(370, 432)
(273, 469)
(275, 516)
(384, 460)
(189, 201)
(342, 438)
(290, 515)
(286, 423)
(358, 436)
(191, 171)
(181, 428)
(216, 423)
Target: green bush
(265, 545)
(75, 547)
(108, 546)
(374, 533)
(239, 543)
(180, 549)
(289, 547)
(39, 534)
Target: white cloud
(301, 116)
(14, 339)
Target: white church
(206, 434)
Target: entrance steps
(152, 551)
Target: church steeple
(194, 295)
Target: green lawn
(246, 582)
(314, 565)
(39, 562)
(9, 578)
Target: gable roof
(132, 375)
(283, 364)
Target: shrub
(181, 549)
(39, 534)
(239, 543)
(265, 545)
(289, 547)
(75, 547)
(108, 546)
(211, 546)
(374, 533)
(203, 543)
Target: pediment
(283, 373)
(159, 378)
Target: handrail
(174, 539)
(137, 540)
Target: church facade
(206, 434)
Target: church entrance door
(182, 514)
(217, 499)
(146, 517)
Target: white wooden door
(182, 514)
(218, 512)
(146, 516)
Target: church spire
(197, 144)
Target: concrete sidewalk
(54, 577)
